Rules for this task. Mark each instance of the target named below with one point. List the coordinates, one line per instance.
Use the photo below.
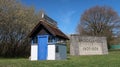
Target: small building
(47, 41)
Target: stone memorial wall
(87, 45)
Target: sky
(67, 13)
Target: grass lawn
(110, 60)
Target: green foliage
(16, 22)
(110, 60)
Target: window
(57, 49)
(35, 40)
(51, 39)
(59, 40)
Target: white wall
(62, 52)
(51, 52)
(34, 51)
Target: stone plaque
(87, 45)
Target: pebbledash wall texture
(88, 45)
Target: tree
(16, 21)
(99, 21)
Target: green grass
(110, 60)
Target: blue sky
(68, 12)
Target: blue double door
(42, 47)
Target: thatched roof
(50, 28)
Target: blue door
(42, 47)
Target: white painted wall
(62, 52)
(51, 52)
(34, 51)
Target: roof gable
(50, 28)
